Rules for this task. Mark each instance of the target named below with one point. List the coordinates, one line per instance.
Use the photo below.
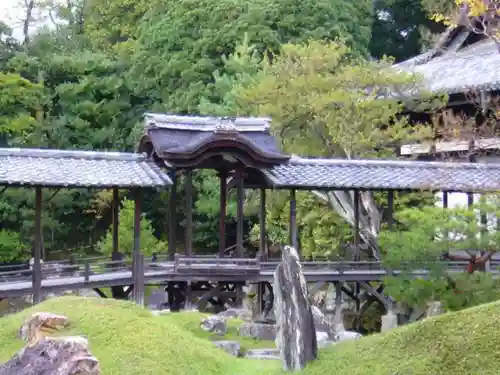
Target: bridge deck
(105, 274)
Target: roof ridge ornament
(226, 124)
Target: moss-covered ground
(128, 340)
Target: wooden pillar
(188, 250)
(172, 219)
(390, 209)
(445, 199)
(240, 198)
(37, 249)
(116, 220)
(222, 212)
(357, 240)
(137, 257)
(293, 220)
(262, 224)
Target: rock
(263, 354)
(258, 331)
(53, 356)
(242, 314)
(389, 321)
(296, 334)
(321, 323)
(434, 309)
(214, 324)
(347, 336)
(322, 338)
(40, 324)
(230, 347)
(157, 300)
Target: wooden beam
(138, 258)
(188, 250)
(116, 220)
(262, 224)
(172, 219)
(222, 212)
(240, 197)
(390, 209)
(293, 220)
(377, 294)
(357, 238)
(37, 247)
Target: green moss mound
(462, 343)
(128, 340)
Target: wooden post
(172, 220)
(445, 199)
(222, 213)
(37, 247)
(357, 241)
(116, 220)
(357, 254)
(139, 271)
(390, 209)
(189, 214)
(262, 223)
(240, 197)
(293, 220)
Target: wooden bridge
(95, 273)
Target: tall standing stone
(296, 333)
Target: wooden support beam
(445, 199)
(240, 198)
(116, 220)
(138, 257)
(100, 293)
(293, 220)
(262, 225)
(172, 217)
(339, 320)
(390, 209)
(188, 250)
(377, 294)
(37, 249)
(222, 213)
(357, 238)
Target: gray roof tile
(475, 67)
(61, 168)
(384, 175)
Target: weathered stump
(296, 333)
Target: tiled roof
(333, 174)
(177, 137)
(457, 69)
(58, 168)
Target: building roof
(459, 63)
(338, 174)
(186, 141)
(58, 168)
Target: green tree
(326, 102)
(400, 29)
(149, 244)
(11, 247)
(20, 100)
(429, 234)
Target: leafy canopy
(425, 235)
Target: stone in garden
(242, 314)
(53, 356)
(258, 331)
(321, 323)
(214, 324)
(230, 347)
(323, 339)
(434, 309)
(263, 354)
(296, 335)
(347, 336)
(40, 325)
(389, 321)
